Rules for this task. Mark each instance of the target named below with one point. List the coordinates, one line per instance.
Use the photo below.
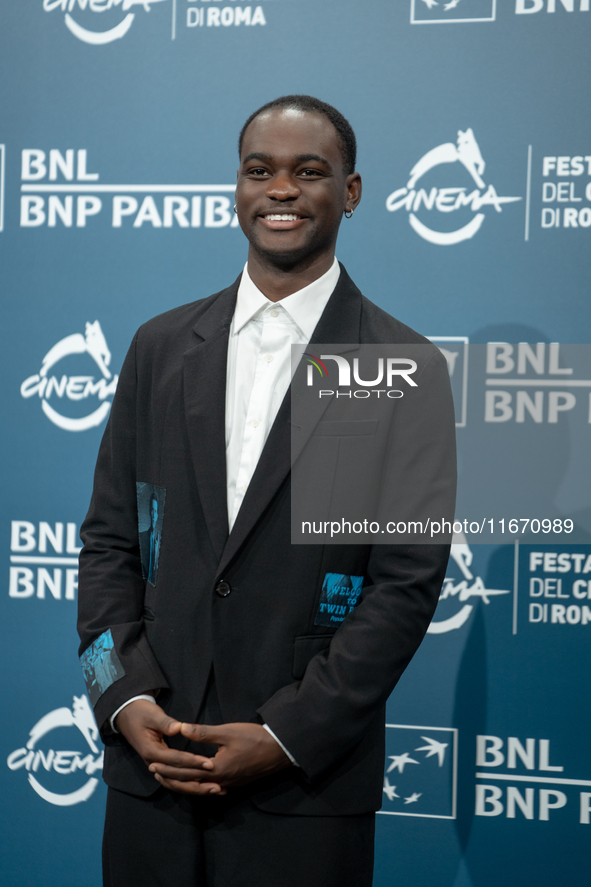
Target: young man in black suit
(245, 737)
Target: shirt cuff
(133, 699)
(270, 732)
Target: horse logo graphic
(469, 154)
(93, 342)
(466, 152)
(75, 388)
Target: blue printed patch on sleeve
(101, 666)
(150, 515)
(340, 594)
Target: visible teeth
(284, 217)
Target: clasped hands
(245, 751)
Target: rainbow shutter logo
(389, 370)
(314, 361)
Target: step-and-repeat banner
(118, 129)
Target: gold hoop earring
(349, 213)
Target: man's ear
(354, 188)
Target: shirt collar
(304, 307)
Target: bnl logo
(533, 794)
(424, 12)
(421, 771)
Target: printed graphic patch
(340, 595)
(101, 666)
(150, 515)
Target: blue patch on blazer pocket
(101, 666)
(340, 594)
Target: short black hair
(345, 134)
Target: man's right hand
(144, 724)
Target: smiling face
(292, 188)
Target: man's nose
(283, 186)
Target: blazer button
(223, 588)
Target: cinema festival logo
(35, 760)
(414, 198)
(468, 588)
(75, 388)
(97, 37)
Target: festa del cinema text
(563, 185)
(558, 577)
(58, 190)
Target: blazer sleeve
(115, 655)
(322, 717)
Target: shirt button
(269, 358)
(223, 588)
(274, 312)
(255, 423)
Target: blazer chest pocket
(305, 648)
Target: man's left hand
(245, 752)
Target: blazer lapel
(204, 380)
(338, 326)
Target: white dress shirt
(259, 369)
(258, 376)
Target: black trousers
(173, 840)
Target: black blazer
(321, 689)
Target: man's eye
(257, 171)
(308, 173)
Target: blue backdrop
(118, 131)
